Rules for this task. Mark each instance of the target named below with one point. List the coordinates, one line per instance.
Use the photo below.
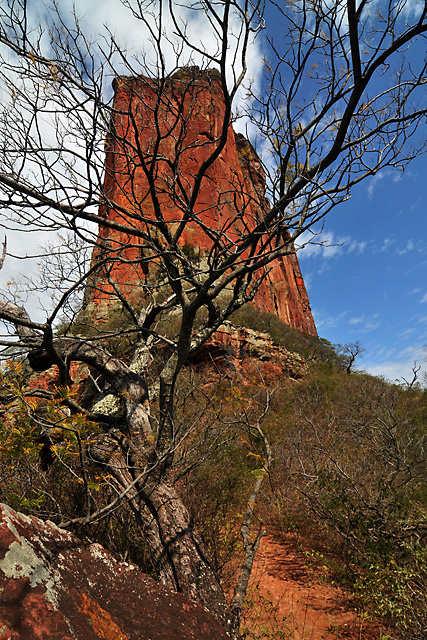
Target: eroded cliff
(146, 147)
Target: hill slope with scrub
(345, 488)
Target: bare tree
(344, 95)
(415, 371)
(349, 352)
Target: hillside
(177, 403)
(344, 502)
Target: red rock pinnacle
(164, 134)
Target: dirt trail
(294, 597)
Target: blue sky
(371, 284)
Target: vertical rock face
(162, 135)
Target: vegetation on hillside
(349, 461)
(127, 181)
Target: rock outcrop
(53, 587)
(185, 114)
(240, 350)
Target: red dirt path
(293, 595)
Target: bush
(355, 451)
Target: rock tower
(179, 124)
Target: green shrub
(355, 450)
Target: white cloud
(357, 247)
(375, 181)
(372, 325)
(413, 7)
(388, 242)
(416, 203)
(191, 17)
(325, 244)
(424, 298)
(322, 244)
(398, 367)
(384, 352)
(410, 246)
(326, 320)
(408, 332)
(365, 323)
(403, 246)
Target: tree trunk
(177, 550)
(181, 542)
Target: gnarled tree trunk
(177, 550)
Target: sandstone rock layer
(162, 134)
(54, 587)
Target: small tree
(349, 352)
(343, 93)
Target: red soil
(293, 597)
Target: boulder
(53, 586)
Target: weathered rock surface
(53, 587)
(239, 348)
(188, 114)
